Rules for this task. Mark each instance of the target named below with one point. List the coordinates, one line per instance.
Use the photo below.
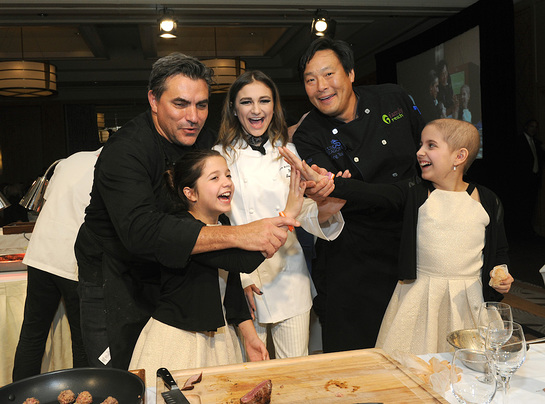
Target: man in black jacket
(372, 131)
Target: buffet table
(367, 375)
(14, 243)
(58, 352)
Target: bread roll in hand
(498, 274)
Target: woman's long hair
(231, 130)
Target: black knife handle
(169, 381)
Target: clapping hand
(296, 194)
(319, 181)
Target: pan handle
(167, 378)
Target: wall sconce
(322, 25)
(105, 132)
(167, 25)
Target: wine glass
(467, 386)
(508, 356)
(492, 311)
(498, 332)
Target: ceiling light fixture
(322, 25)
(167, 25)
(22, 78)
(226, 70)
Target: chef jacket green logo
(392, 116)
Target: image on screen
(445, 82)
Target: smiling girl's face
(254, 106)
(435, 157)
(213, 191)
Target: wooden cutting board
(367, 375)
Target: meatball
(32, 400)
(110, 400)
(84, 398)
(66, 397)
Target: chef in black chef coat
(373, 132)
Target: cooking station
(362, 376)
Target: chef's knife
(174, 396)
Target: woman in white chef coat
(280, 290)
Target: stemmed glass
(507, 356)
(467, 387)
(492, 311)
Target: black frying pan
(126, 387)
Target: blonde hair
(231, 130)
(459, 134)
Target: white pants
(290, 337)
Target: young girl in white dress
(199, 305)
(452, 237)
(459, 239)
(279, 291)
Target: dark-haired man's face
(328, 86)
(181, 112)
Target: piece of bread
(498, 274)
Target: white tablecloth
(14, 243)
(527, 384)
(58, 351)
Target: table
(527, 384)
(14, 244)
(366, 375)
(58, 351)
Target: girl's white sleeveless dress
(447, 292)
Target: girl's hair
(231, 130)
(185, 173)
(460, 134)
